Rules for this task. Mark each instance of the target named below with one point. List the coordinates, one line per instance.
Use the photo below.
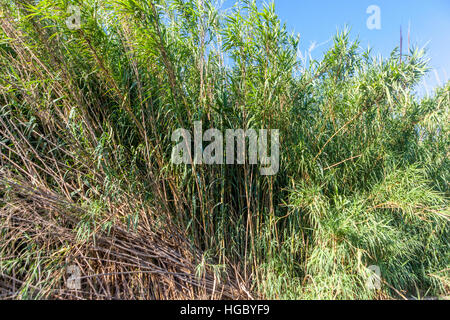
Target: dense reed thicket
(86, 118)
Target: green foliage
(88, 115)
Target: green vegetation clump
(86, 118)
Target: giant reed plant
(86, 118)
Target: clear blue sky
(318, 20)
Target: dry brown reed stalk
(119, 264)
